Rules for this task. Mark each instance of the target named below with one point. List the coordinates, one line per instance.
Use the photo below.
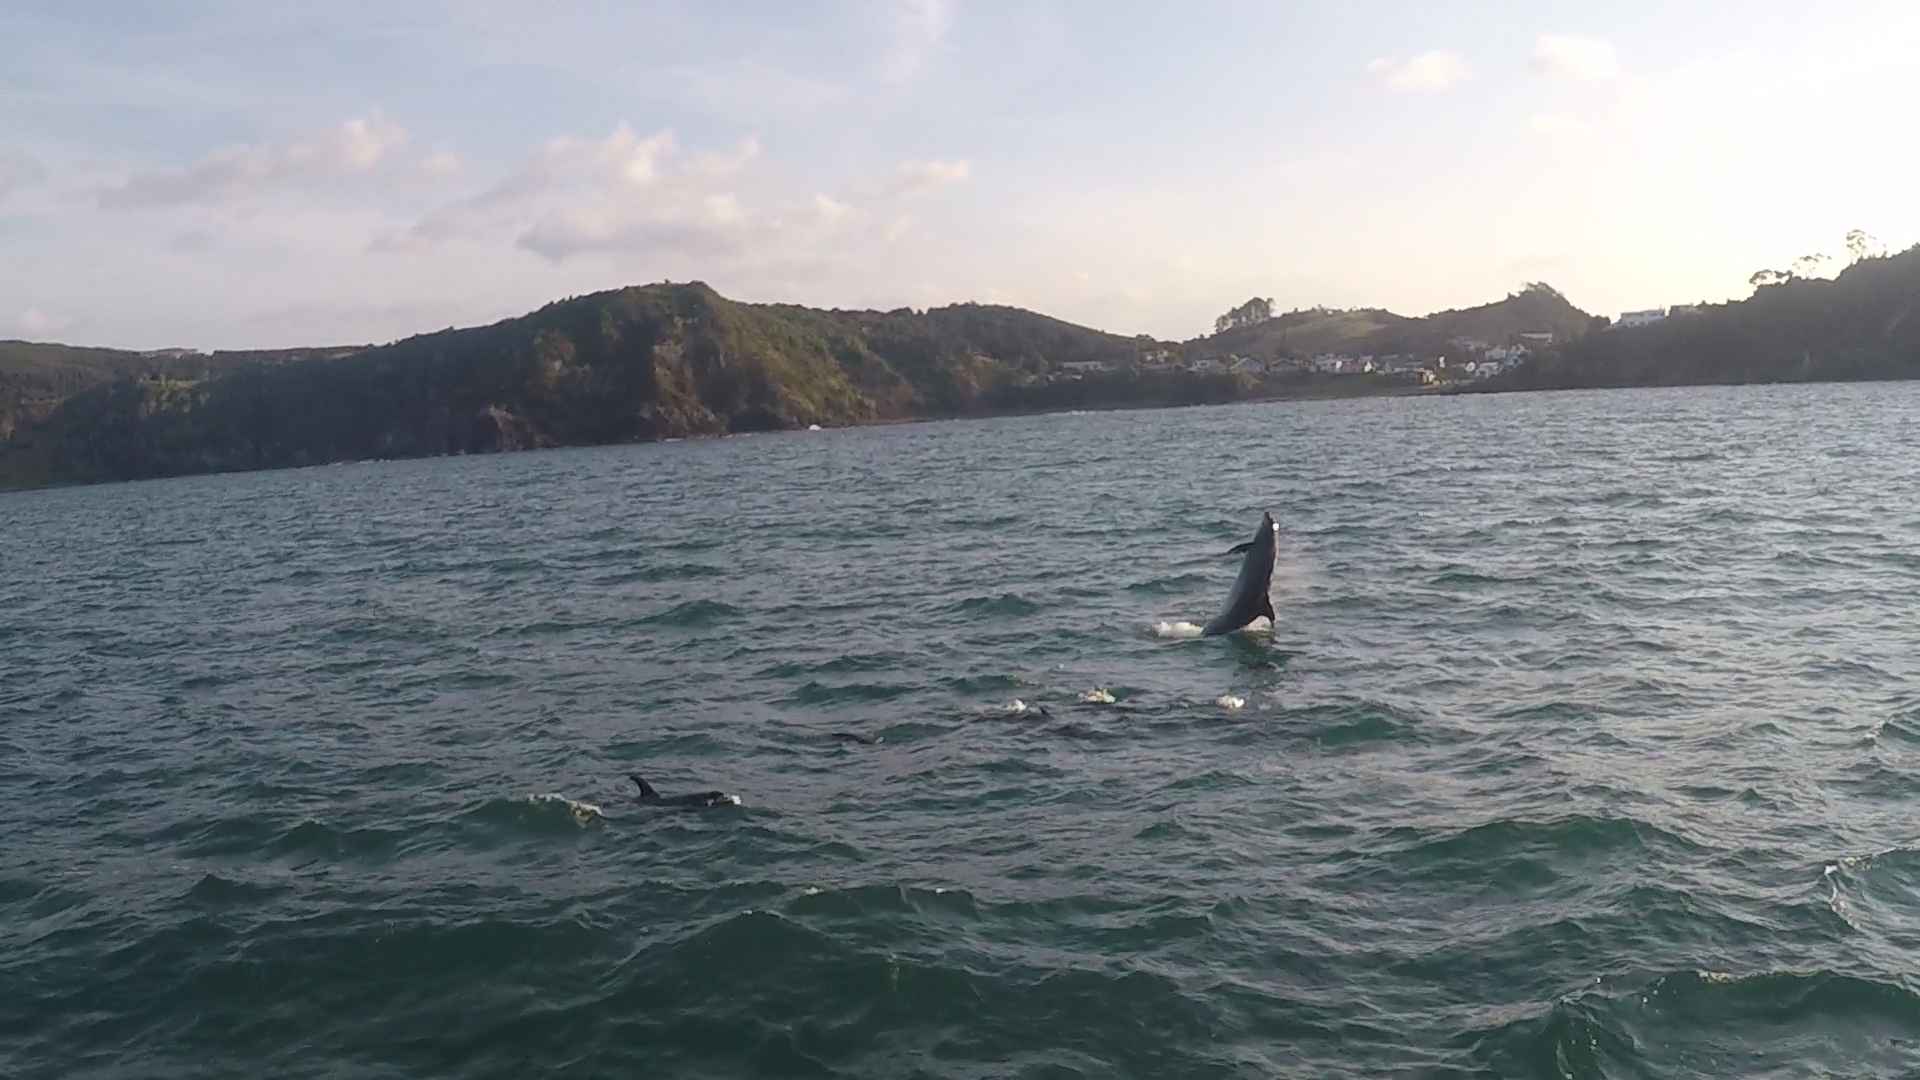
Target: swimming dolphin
(1249, 599)
(698, 799)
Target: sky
(262, 174)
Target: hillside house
(1084, 367)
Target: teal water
(1586, 746)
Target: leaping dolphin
(1249, 599)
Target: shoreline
(1261, 399)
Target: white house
(1081, 367)
(1641, 318)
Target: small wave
(1836, 901)
(1177, 631)
(980, 683)
(992, 521)
(1099, 695)
(212, 890)
(545, 812)
(316, 838)
(1465, 579)
(864, 901)
(1789, 1023)
(814, 692)
(1179, 583)
(693, 613)
(651, 574)
(583, 813)
(839, 665)
(1005, 605)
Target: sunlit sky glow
(262, 174)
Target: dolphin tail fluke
(646, 789)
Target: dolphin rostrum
(1249, 599)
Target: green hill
(1302, 333)
(633, 364)
(1536, 308)
(36, 377)
(1862, 324)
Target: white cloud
(17, 170)
(35, 321)
(704, 233)
(622, 155)
(1429, 72)
(193, 241)
(925, 175)
(442, 164)
(1569, 55)
(916, 31)
(728, 162)
(356, 146)
(621, 193)
(830, 209)
(1559, 125)
(754, 92)
(567, 173)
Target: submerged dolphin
(698, 799)
(1249, 599)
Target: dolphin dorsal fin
(646, 790)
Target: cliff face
(630, 365)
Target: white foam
(1178, 630)
(1099, 695)
(1016, 706)
(1836, 902)
(1228, 701)
(583, 812)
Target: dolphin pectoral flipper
(1240, 549)
(1266, 608)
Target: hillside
(629, 365)
(1303, 333)
(1536, 308)
(1862, 324)
(36, 377)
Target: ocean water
(1586, 745)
